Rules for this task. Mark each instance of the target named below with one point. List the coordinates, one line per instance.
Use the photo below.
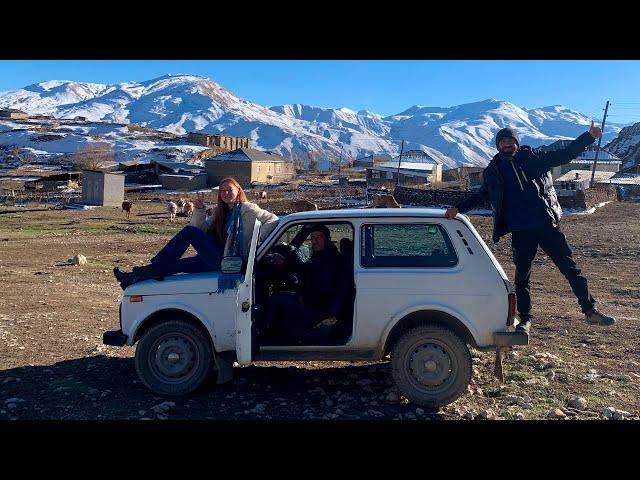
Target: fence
(14, 197)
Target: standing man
(518, 185)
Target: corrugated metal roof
(419, 155)
(590, 155)
(411, 173)
(248, 155)
(585, 175)
(419, 166)
(183, 175)
(626, 179)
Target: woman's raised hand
(199, 201)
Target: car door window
(406, 245)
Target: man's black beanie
(321, 228)
(507, 133)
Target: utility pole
(340, 186)
(595, 161)
(399, 161)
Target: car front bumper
(114, 338)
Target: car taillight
(512, 309)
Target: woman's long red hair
(223, 208)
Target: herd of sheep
(182, 206)
(185, 207)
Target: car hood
(186, 283)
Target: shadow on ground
(103, 387)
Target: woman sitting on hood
(227, 232)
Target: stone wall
(582, 200)
(414, 196)
(586, 199)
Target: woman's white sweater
(250, 212)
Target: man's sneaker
(523, 327)
(594, 317)
(327, 322)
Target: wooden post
(399, 161)
(595, 161)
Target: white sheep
(188, 208)
(172, 208)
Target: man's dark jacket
(323, 281)
(537, 167)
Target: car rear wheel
(173, 358)
(431, 366)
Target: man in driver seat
(323, 291)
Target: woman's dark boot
(125, 278)
(147, 271)
(138, 274)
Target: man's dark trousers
(292, 318)
(524, 245)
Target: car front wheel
(173, 358)
(431, 366)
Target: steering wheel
(284, 254)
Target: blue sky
(382, 86)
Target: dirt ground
(52, 317)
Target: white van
(421, 288)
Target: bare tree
(93, 156)
(313, 161)
(298, 161)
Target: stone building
(13, 114)
(248, 166)
(225, 142)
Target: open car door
(245, 302)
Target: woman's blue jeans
(209, 253)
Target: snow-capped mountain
(179, 104)
(627, 146)
(47, 97)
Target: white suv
(419, 287)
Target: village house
(579, 180)
(171, 175)
(248, 166)
(410, 174)
(467, 177)
(224, 142)
(371, 161)
(13, 114)
(139, 172)
(607, 162)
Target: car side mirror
(231, 265)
